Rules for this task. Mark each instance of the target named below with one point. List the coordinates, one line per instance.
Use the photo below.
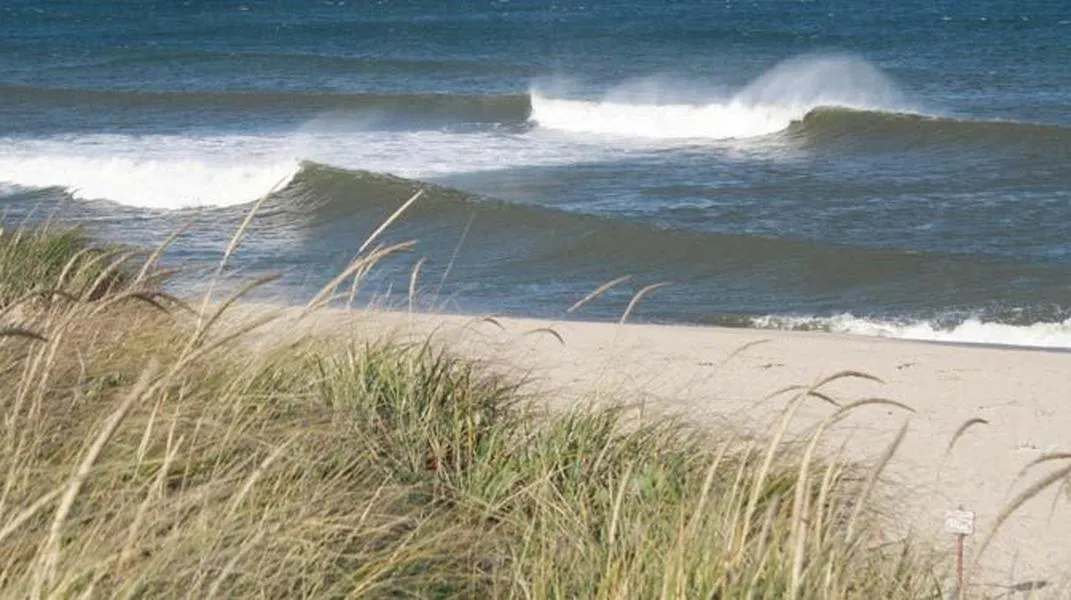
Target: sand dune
(724, 378)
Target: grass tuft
(65, 259)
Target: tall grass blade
(639, 296)
(387, 223)
(598, 292)
(962, 429)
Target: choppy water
(879, 169)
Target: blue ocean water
(898, 169)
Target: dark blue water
(901, 169)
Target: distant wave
(471, 108)
(150, 183)
(180, 171)
(818, 100)
(818, 127)
(874, 129)
(315, 189)
(769, 104)
(1041, 334)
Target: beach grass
(148, 449)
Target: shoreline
(954, 343)
(455, 315)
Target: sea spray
(769, 104)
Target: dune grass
(64, 259)
(146, 451)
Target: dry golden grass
(147, 451)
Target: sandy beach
(727, 379)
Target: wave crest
(158, 183)
(769, 104)
(872, 130)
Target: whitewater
(171, 172)
(768, 105)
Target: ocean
(896, 169)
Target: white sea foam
(767, 105)
(969, 331)
(178, 171)
(148, 171)
(151, 183)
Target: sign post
(959, 523)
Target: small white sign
(959, 522)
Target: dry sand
(716, 376)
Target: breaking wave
(150, 183)
(767, 105)
(1043, 334)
